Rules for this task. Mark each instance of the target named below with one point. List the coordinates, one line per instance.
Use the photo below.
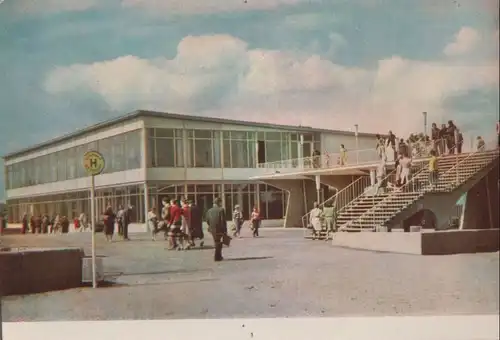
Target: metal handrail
(455, 168)
(421, 167)
(309, 160)
(329, 160)
(336, 196)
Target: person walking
(109, 223)
(152, 223)
(255, 221)
(329, 216)
(315, 220)
(126, 221)
(24, 224)
(175, 237)
(119, 220)
(83, 222)
(216, 220)
(196, 224)
(237, 220)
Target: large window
(71, 163)
(165, 152)
(165, 148)
(202, 147)
(273, 143)
(117, 159)
(133, 149)
(239, 149)
(121, 152)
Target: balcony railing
(419, 149)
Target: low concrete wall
(460, 241)
(30, 271)
(445, 242)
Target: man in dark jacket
(126, 221)
(216, 219)
(196, 223)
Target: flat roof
(146, 113)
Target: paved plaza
(277, 275)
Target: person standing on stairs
(481, 145)
(405, 164)
(433, 171)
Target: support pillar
(146, 204)
(318, 188)
(373, 177)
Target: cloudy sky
(65, 64)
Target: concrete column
(223, 194)
(301, 151)
(144, 148)
(146, 203)
(373, 177)
(318, 188)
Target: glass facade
(74, 203)
(121, 152)
(228, 149)
(272, 201)
(167, 148)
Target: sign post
(94, 164)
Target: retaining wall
(29, 271)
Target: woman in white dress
(315, 219)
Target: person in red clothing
(175, 224)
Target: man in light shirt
(405, 164)
(433, 170)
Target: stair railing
(414, 184)
(343, 197)
(455, 169)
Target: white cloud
(219, 76)
(465, 41)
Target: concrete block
(460, 241)
(29, 271)
(415, 229)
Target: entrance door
(261, 152)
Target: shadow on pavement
(179, 271)
(248, 258)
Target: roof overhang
(349, 170)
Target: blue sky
(328, 63)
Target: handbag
(226, 240)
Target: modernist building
(151, 155)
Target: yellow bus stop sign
(93, 162)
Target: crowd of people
(181, 222)
(44, 224)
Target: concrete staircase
(368, 212)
